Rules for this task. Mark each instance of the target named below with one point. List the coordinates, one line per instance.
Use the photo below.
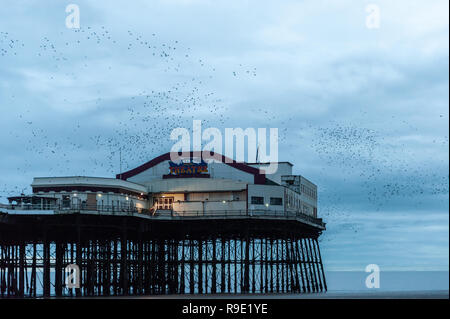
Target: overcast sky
(362, 112)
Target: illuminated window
(164, 202)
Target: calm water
(354, 281)
(351, 284)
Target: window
(306, 210)
(66, 201)
(163, 202)
(276, 201)
(257, 200)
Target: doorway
(163, 203)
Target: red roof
(258, 178)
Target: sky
(361, 111)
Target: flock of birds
(375, 173)
(141, 124)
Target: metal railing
(256, 213)
(170, 214)
(28, 206)
(70, 207)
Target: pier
(131, 253)
(194, 227)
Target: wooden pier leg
(115, 264)
(261, 265)
(206, 262)
(229, 265)
(300, 266)
(2, 269)
(79, 259)
(22, 270)
(321, 265)
(296, 281)
(59, 255)
(316, 264)
(222, 264)
(161, 266)
(312, 266)
(176, 265)
(214, 264)
(7, 262)
(72, 260)
(191, 267)
(140, 268)
(271, 265)
(304, 263)
(308, 267)
(266, 270)
(88, 261)
(107, 269)
(33, 272)
(97, 265)
(200, 266)
(246, 283)
(124, 262)
(182, 288)
(253, 266)
(2, 272)
(46, 275)
(8, 270)
(283, 261)
(277, 263)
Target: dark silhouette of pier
(130, 253)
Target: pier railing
(237, 213)
(167, 214)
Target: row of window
(256, 200)
(308, 191)
(163, 202)
(67, 202)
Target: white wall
(209, 206)
(283, 168)
(295, 202)
(194, 185)
(87, 181)
(266, 191)
(215, 170)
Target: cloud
(363, 113)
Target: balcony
(57, 209)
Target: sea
(352, 285)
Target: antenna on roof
(257, 154)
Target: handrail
(254, 213)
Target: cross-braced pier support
(128, 256)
